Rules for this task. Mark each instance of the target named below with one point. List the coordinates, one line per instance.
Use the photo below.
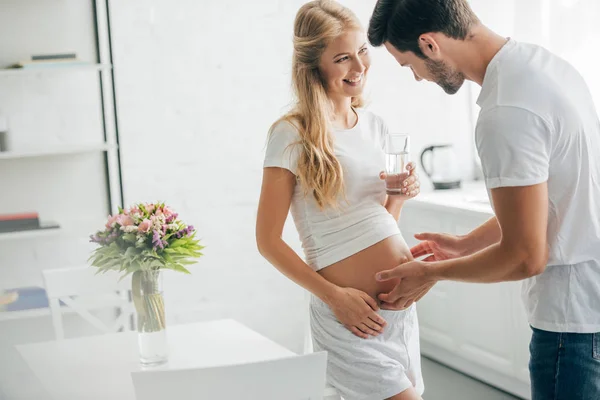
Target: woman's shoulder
(283, 133)
(285, 126)
(283, 147)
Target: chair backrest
(292, 378)
(80, 289)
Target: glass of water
(397, 151)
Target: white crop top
(361, 221)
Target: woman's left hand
(411, 186)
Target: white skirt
(369, 369)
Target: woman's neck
(344, 117)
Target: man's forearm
(485, 235)
(519, 234)
(496, 263)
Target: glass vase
(149, 305)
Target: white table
(99, 367)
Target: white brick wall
(198, 85)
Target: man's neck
(474, 54)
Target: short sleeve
(283, 147)
(382, 130)
(514, 145)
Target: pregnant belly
(358, 271)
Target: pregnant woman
(323, 160)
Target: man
(538, 137)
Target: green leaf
(180, 268)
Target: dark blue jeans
(564, 366)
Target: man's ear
(429, 46)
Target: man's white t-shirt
(538, 123)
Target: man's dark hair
(401, 22)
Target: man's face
(437, 71)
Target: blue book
(29, 298)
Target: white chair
(292, 378)
(329, 393)
(80, 289)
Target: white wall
(198, 85)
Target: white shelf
(56, 151)
(30, 234)
(53, 68)
(13, 315)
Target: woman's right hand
(356, 310)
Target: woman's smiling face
(344, 64)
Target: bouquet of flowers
(145, 237)
(143, 240)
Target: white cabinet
(479, 329)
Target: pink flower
(149, 207)
(111, 221)
(124, 220)
(145, 226)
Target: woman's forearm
(282, 257)
(394, 206)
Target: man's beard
(447, 78)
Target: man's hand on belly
(413, 285)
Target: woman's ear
(429, 46)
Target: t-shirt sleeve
(283, 147)
(514, 145)
(383, 130)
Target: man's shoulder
(533, 79)
(535, 70)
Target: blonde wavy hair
(317, 24)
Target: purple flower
(157, 241)
(103, 239)
(170, 218)
(189, 230)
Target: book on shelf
(50, 60)
(23, 298)
(17, 222)
(59, 56)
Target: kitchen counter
(470, 198)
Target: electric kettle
(441, 166)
